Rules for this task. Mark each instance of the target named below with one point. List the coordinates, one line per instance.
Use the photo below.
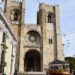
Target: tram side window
(67, 66)
(51, 67)
(63, 66)
(56, 67)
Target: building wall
(7, 45)
(1, 35)
(8, 57)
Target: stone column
(58, 35)
(21, 61)
(1, 36)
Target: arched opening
(32, 61)
(16, 16)
(50, 17)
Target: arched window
(16, 15)
(50, 18)
(50, 41)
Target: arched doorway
(32, 61)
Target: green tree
(71, 61)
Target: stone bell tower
(49, 20)
(15, 12)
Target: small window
(16, 16)
(56, 67)
(52, 67)
(50, 18)
(63, 66)
(50, 41)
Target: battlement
(29, 24)
(47, 6)
(17, 0)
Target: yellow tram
(58, 68)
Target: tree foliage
(71, 61)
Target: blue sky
(67, 16)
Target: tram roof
(58, 62)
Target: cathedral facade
(39, 44)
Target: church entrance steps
(32, 73)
